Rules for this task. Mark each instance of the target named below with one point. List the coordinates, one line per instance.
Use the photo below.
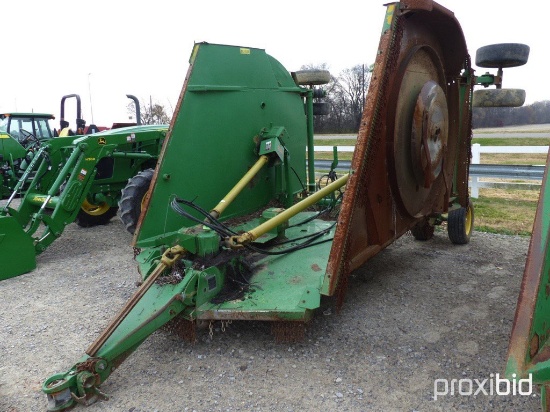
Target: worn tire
(502, 55)
(498, 98)
(132, 198)
(423, 230)
(321, 108)
(312, 77)
(460, 224)
(89, 215)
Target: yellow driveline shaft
(282, 217)
(226, 201)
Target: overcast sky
(118, 47)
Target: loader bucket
(17, 255)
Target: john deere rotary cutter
(234, 229)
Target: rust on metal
(396, 180)
(288, 332)
(525, 342)
(184, 328)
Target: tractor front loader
(233, 228)
(71, 179)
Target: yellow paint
(90, 159)
(389, 14)
(4, 136)
(64, 132)
(245, 51)
(194, 54)
(40, 199)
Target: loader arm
(68, 173)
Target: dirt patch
(417, 312)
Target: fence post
(476, 159)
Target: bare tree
(536, 113)
(352, 87)
(346, 96)
(151, 113)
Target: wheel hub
(421, 129)
(429, 133)
(94, 210)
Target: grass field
(502, 211)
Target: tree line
(536, 113)
(346, 93)
(346, 96)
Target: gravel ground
(417, 312)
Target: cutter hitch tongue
(133, 324)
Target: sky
(103, 50)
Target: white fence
(477, 149)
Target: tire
(460, 224)
(132, 198)
(423, 230)
(312, 77)
(502, 55)
(95, 215)
(321, 108)
(498, 98)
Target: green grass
(335, 142)
(486, 141)
(509, 212)
(524, 141)
(489, 141)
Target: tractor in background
(74, 179)
(21, 134)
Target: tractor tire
(502, 55)
(498, 98)
(312, 77)
(94, 215)
(321, 108)
(423, 230)
(460, 224)
(132, 198)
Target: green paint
(98, 167)
(214, 137)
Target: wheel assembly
(133, 197)
(95, 214)
(311, 77)
(423, 230)
(460, 224)
(412, 155)
(500, 56)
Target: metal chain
(211, 329)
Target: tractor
(73, 176)
(235, 227)
(74, 179)
(20, 135)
